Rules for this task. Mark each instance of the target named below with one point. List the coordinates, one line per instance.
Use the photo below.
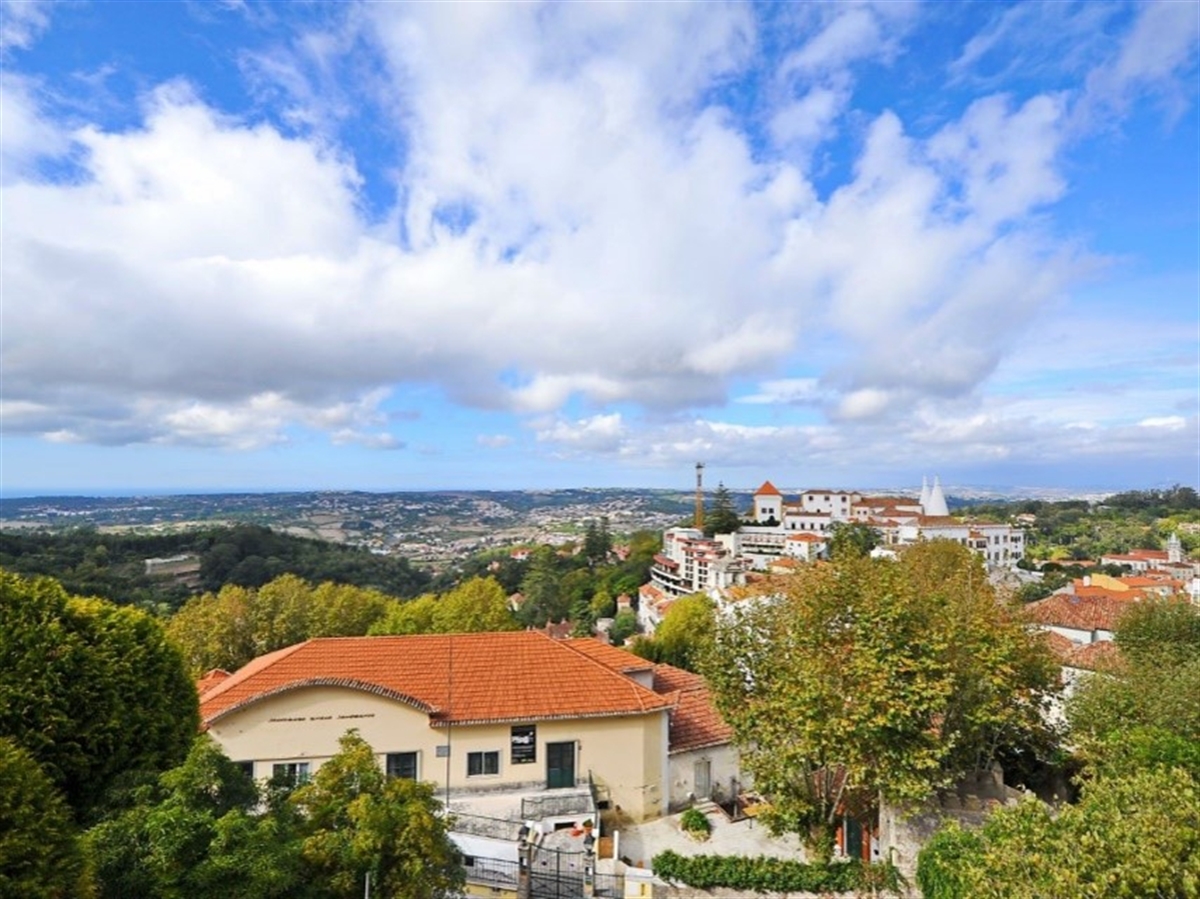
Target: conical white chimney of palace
(933, 501)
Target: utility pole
(699, 518)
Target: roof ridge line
(637, 688)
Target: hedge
(764, 874)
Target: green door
(560, 765)
(854, 839)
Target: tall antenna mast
(699, 522)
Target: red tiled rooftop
(210, 680)
(695, 723)
(618, 660)
(1085, 613)
(496, 677)
(1100, 655)
(767, 489)
(1093, 591)
(1060, 647)
(1151, 580)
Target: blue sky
(400, 246)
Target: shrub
(696, 823)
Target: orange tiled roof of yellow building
(455, 678)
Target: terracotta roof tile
(1085, 613)
(1093, 591)
(1060, 646)
(494, 677)
(695, 722)
(210, 680)
(618, 660)
(1099, 655)
(767, 489)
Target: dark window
(246, 768)
(402, 764)
(290, 772)
(482, 763)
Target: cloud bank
(580, 217)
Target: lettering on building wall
(319, 718)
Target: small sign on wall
(524, 744)
(443, 751)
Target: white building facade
(778, 528)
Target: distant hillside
(113, 566)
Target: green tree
(479, 604)
(358, 821)
(544, 598)
(197, 834)
(1133, 835)
(412, 617)
(722, 517)
(868, 680)
(228, 629)
(685, 635)
(624, 626)
(1154, 690)
(597, 541)
(93, 691)
(852, 538)
(602, 604)
(40, 853)
(341, 610)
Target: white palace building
(784, 533)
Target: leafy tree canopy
(357, 821)
(1133, 835)
(229, 628)
(852, 538)
(479, 604)
(685, 634)
(94, 692)
(1152, 693)
(865, 679)
(624, 626)
(40, 853)
(197, 834)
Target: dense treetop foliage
(721, 516)
(229, 628)
(112, 566)
(94, 692)
(1136, 828)
(40, 855)
(205, 831)
(684, 636)
(1133, 835)
(476, 605)
(864, 679)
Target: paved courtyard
(641, 842)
